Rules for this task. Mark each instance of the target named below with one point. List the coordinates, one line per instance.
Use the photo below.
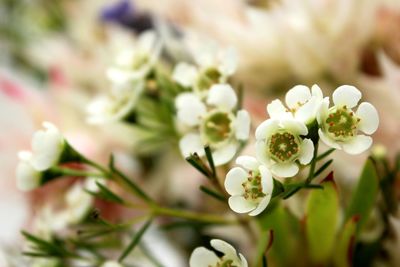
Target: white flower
(28, 178)
(213, 66)
(47, 147)
(111, 264)
(250, 186)
(302, 104)
(202, 257)
(78, 204)
(340, 125)
(116, 106)
(134, 64)
(214, 124)
(279, 146)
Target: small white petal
(285, 170)
(248, 162)
(369, 119)
(266, 128)
(206, 54)
(297, 95)
(277, 110)
(234, 179)
(240, 205)
(294, 126)
(317, 92)
(222, 96)
(261, 206)
(323, 110)
(228, 62)
(111, 264)
(358, 144)
(261, 153)
(224, 154)
(202, 257)
(185, 74)
(190, 144)
(242, 124)
(227, 249)
(147, 41)
(306, 113)
(346, 95)
(27, 177)
(306, 151)
(327, 140)
(267, 182)
(243, 261)
(189, 109)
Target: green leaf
(365, 194)
(135, 240)
(105, 194)
(345, 243)
(323, 167)
(213, 194)
(210, 159)
(199, 165)
(321, 217)
(325, 154)
(264, 244)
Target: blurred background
(53, 57)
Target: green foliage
(344, 245)
(365, 194)
(321, 219)
(106, 194)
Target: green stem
(74, 172)
(313, 163)
(200, 217)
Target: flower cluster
(287, 140)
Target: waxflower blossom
(214, 66)
(135, 63)
(214, 123)
(250, 186)
(340, 125)
(280, 147)
(28, 178)
(202, 257)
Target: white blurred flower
(47, 147)
(214, 66)
(78, 204)
(250, 186)
(280, 147)
(28, 178)
(340, 125)
(202, 257)
(116, 106)
(215, 124)
(111, 264)
(134, 64)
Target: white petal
(242, 124)
(327, 140)
(234, 179)
(202, 257)
(322, 110)
(189, 109)
(147, 41)
(297, 95)
(317, 92)
(306, 151)
(228, 62)
(111, 264)
(369, 119)
(294, 126)
(243, 261)
(185, 74)
(227, 249)
(224, 154)
(267, 182)
(222, 96)
(346, 95)
(266, 128)
(206, 54)
(358, 144)
(47, 147)
(190, 144)
(261, 206)
(285, 170)
(27, 177)
(306, 113)
(240, 205)
(261, 153)
(277, 110)
(248, 162)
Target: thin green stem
(75, 172)
(313, 163)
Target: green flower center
(283, 146)
(252, 187)
(225, 263)
(207, 78)
(140, 60)
(341, 123)
(216, 127)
